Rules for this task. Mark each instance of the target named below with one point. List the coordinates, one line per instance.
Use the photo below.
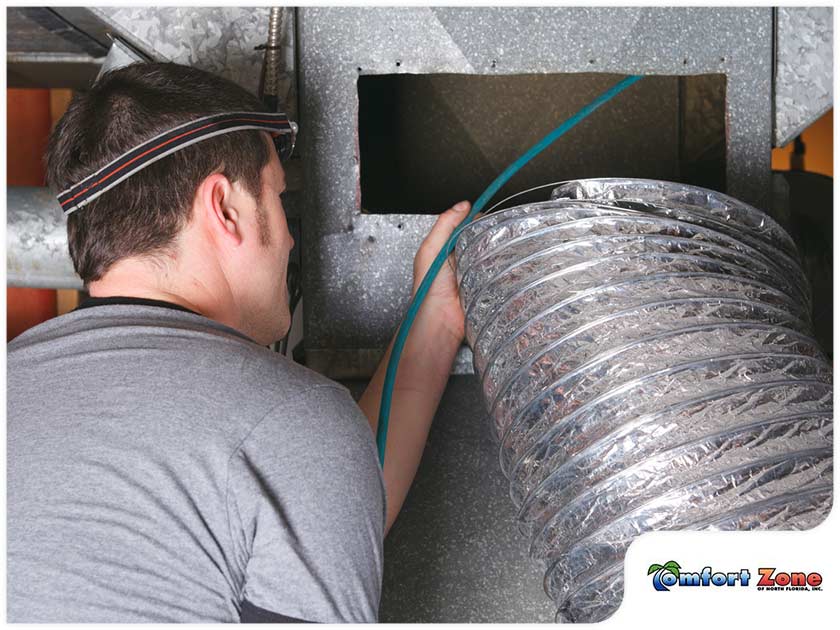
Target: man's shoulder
(294, 379)
(171, 375)
(148, 342)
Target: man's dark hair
(142, 215)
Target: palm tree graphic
(658, 569)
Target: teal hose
(431, 274)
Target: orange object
(819, 148)
(26, 308)
(27, 131)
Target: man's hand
(442, 300)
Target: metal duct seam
(647, 361)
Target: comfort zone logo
(670, 575)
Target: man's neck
(153, 281)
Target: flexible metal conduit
(272, 61)
(646, 357)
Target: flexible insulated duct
(646, 357)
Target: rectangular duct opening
(429, 140)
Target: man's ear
(216, 203)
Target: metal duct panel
(221, 40)
(66, 31)
(36, 241)
(53, 70)
(804, 69)
(52, 47)
(357, 266)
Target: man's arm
(426, 362)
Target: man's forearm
(421, 378)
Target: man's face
(266, 309)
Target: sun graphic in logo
(671, 567)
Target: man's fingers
(446, 224)
(451, 218)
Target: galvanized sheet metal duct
(646, 356)
(36, 241)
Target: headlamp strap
(165, 144)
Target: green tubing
(431, 274)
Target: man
(163, 465)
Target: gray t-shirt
(162, 467)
